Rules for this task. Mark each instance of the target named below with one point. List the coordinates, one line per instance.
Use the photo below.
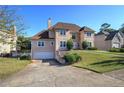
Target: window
(62, 32)
(88, 34)
(52, 43)
(62, 44)
(41, 43)
(73, 35)
(89, 44)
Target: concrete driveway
(118, 74)
(51, 74)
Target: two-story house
(8, 41)
(106, 40)
(47, 43)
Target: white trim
(62, 45)
(40, 41)
(43, 55)
(51, 43)
(62, 30)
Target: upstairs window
(88, 34)
(73, 35)
(41, 43)
(62, 32)
(62, 44)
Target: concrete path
(118, 74)
(51, 74)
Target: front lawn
(100, 61)
(9, 66)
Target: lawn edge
(88, 69)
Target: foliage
(72, 57)
(100, 61)
(69, 44)
(121, 49)
(106, 27)
(24, 43)
(92, 48)
(77, 56)
(85, 44)
(122, 28)
(25, 57)
(116, 50)
(10, 18)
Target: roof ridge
(68, 23)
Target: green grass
(9, 66)
(100, 61)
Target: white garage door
(43, 55)
(115, 45)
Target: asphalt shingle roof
(61, 25)
(111, 35)
(68, 26)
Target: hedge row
(116, 50)
(25, 57)
(92, 48)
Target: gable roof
(111, 35)
(60, 25)
(41, 35)
(87, 29)
(68, 26)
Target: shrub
(25, 57)
(92, 48)
(78, 57)
(69, 44)
(72, 58)
(84, 44)
(114, 50)
(121, 49)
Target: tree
(106, 27)
(85, 44)
(10, 18)
(69, 44)
(122, 28)
(24, 43)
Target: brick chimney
(49, 23)
(14, 30)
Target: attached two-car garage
(43, 55)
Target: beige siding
(61, 38)
(84, 37)
(89, 38)
(51, 34)
(47, 48)
(101, 44)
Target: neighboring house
(47, 44)
(7, 41)
(105, 40)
